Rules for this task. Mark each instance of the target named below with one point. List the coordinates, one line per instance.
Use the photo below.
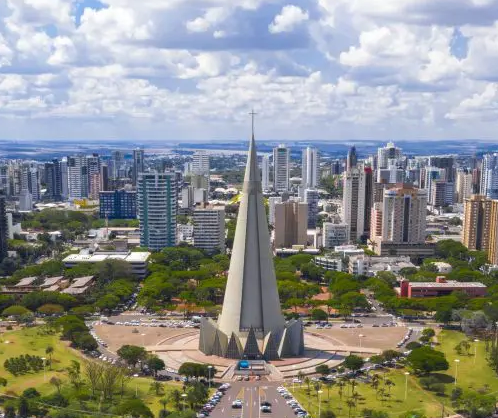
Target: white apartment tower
(265, 172)
(310, 166)
(489, 176)
(353, 206)
(200, 164)
(463, 186)
(77, 177)
(281, 168)
(209, 228)
(389, 152)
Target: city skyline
(189, 70)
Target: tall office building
(209, 228)
(391, 175)
(404, 215)
(442, 194)
(310, 168)
(117, 164)
(53, 180)
(200, 163)
(463, 185)
(4, 228)
(352, 159)
(489, 176)
(281, 168)
(369, 195)
(138, 164)
(77, 175)
(94, 183)
(477, 222)
(376, 222)
(25, 201)
(272, 201)
(447, 162)
(291, 224)
(389, 152)
(353, 206)
(156, 205)
(104, 178)
(64, 179)
(431, 176)
(265, 172)
(30, 180)
(118, 204)
(188, 197)
(5, 179)
(311, 198)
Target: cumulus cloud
(290, 17)
(192, 68)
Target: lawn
(34, 341)
(473, 374)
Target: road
(251, 394)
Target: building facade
(477, 223)
(291, 222)
(281, 168)
(138, 164)
(156, 206)
(335, 235)
(118, 204)
(265, 172)
(209, 228)
(310, 168)
(353, 206)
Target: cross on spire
(252, 117)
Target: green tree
(132, 354)
(155, 364)
(135, 408)
(322, 369)
(49, 351)
(353, 362)
(425, 360)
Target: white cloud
(290, 17)
(211, 18)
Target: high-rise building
(156, 206)
(77, 174)
(489, 176)
(442, 194)
(493, 234)
(53, 180)
(138, 164)
(353, 206)
(376, 222)
(336, 168)
(209, 228)
(463, 185)
(117, 164)
(30, 181)
(369, 195)
(310, 168)
(431, 176)
(93, 163)
(281, 168)
(335, 235)
(387, 153)
(311, 198)
(104, 178)
(25, 201)
(272, 201)
(251, 325)
(64, 179)
(392, 175)
(477, 222)
(291, 224)
(4, 228)
(404, 215)
(200, 163)
(265, 172)
(118, 204)
(188, 197)
(352, 159)
(447, 162)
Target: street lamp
(44, 374)
(475, 350)
(360, 337)
(136, 385)
(209, 375)
(293, 377)
(456, 370)
(143, 339)
(406, 384)
(184, 395)
(320, 403)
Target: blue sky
(192, 69)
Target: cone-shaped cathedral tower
(251, 324)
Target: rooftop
(449, 283)
(27, 281)
(131, 257)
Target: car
(266, 409)
(246, 378)
(265, 403)
(375, 325)
(237, 403)
(296, 380)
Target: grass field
(473, 374)
(34, 342)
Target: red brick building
(441, 287)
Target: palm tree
(382, 392)
(353, 384)
(317, 387)
(356, 397)
(329, 384)
(300, 376)
(350, 403)
(341, 385)
(307, 381)
(49, 351)
(389, 383)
